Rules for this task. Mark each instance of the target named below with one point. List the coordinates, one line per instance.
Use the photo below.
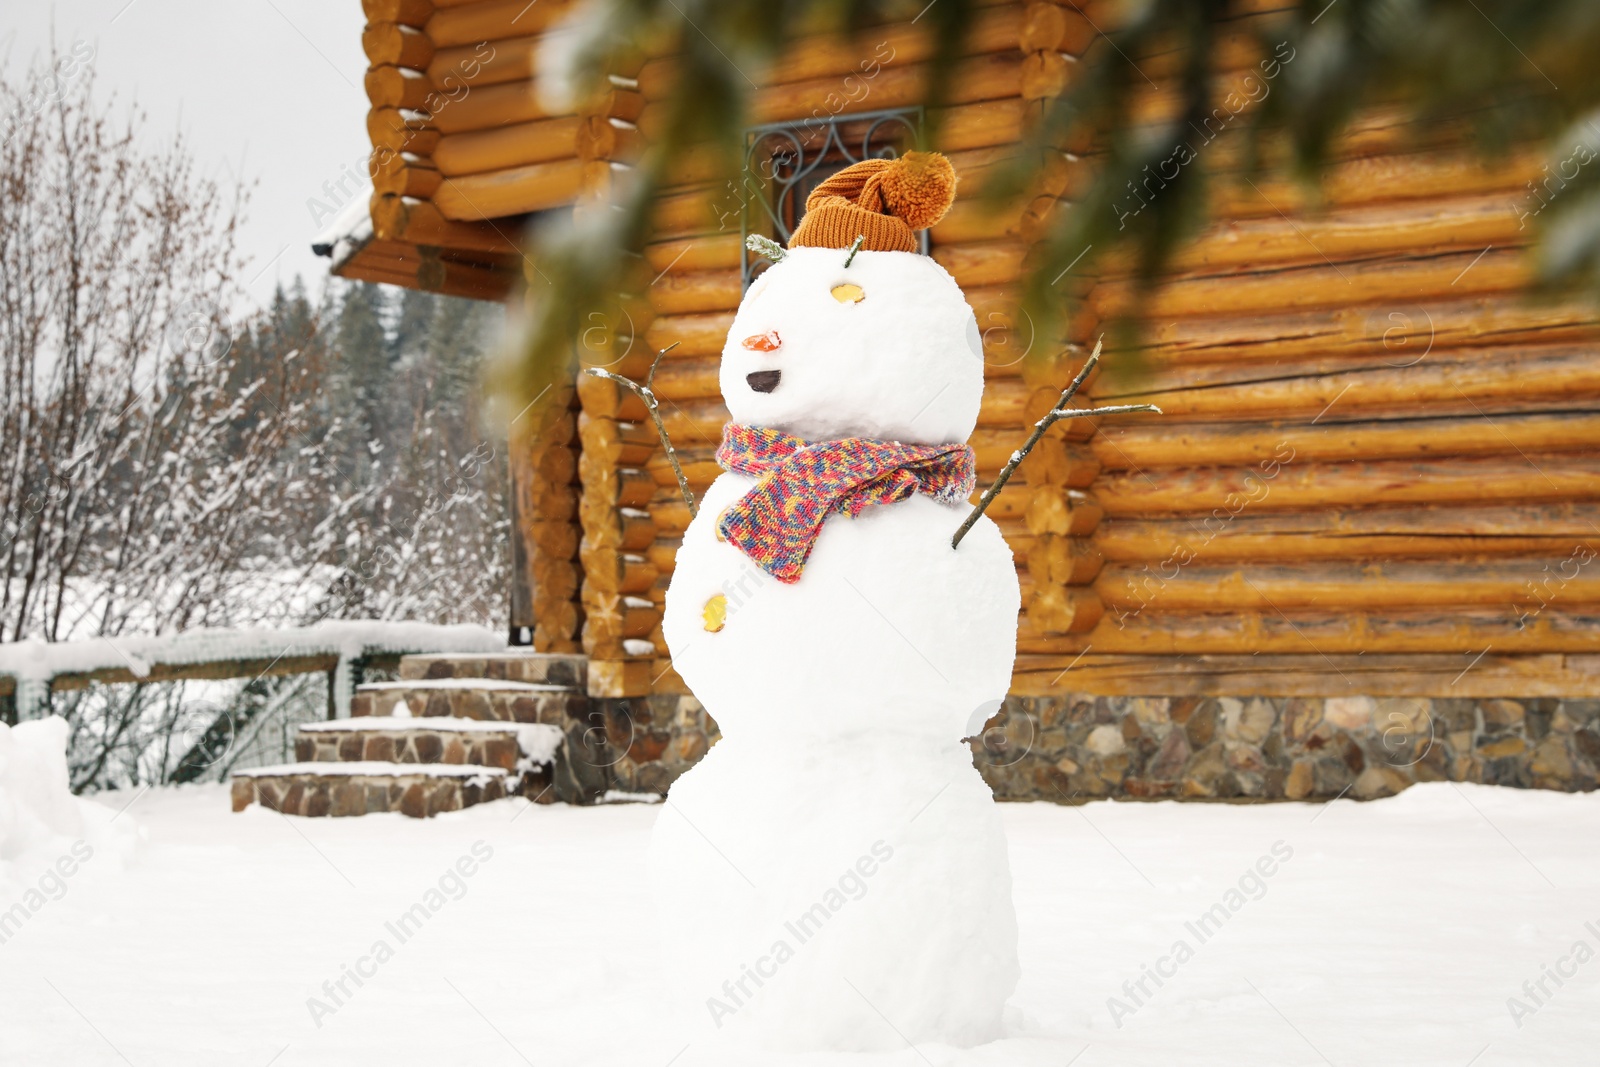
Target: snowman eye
(848, 293)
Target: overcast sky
(267, 88)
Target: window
(785, 161)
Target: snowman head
(884, 348)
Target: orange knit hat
(883, 200)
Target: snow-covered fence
(31, 670)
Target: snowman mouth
(764, 381)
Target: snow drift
(40, 820)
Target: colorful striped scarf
(777, 522)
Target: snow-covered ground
(1391, 932)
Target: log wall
(1373, 445)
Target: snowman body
(834, 873)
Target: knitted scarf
(777, 522)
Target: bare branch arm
(1054, 415)
(647, 394)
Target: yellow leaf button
(715, 613)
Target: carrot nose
(763, 342)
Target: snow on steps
(456, 730)
(400, 739)
(510, 686)
(512, 666)
(366, 788)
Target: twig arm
(1051, 417)
(646, 394)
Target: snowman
(833, 874)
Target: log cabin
(1354, 553)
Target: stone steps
(439, 740)
(454, 731)
(545, 668)
(365, 788)
(471, 698)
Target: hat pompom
(919, 187)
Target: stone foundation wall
(1078, 747)
(1283, 748)
(651, 740)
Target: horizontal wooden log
(621, 444)
(394, 174)
(1055, 462)
(484, 63)
(1052, 27)
(397, 87)
(986, 263)
(1062, 512)
(997, 121)
(982, 78)
(1311, 674)
(491, 20)
(1046, 75)
(1395, 330)
(555, 503)
(615, 572)
(1322, 285)
(995, 29)
(420, 222)
(1168, 545)
(432, 274)
(1134, 446)
(695, 335)
(554, 540)
(391, 44)
(407, 12)
(1408, 176)
(694, 211)
(604, 137)
(677, 291)
(621, 530)
(973, 219)
(1220, 492)
(615, 486)
(490, 107)
(1484, 380)
(612, 618)
(401, 131)
(1056, 560)
(483, 151)
(556, 631)
(1468, 632)
(605, 399)
(718, 252)
(1520, 586)
(1352, 234)
(617, 679)
(853, 63)
(1054, 609)
(513, 191)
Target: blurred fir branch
(1498, 72)
(1507, 72)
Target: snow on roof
(348, 231)
(40, 661)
